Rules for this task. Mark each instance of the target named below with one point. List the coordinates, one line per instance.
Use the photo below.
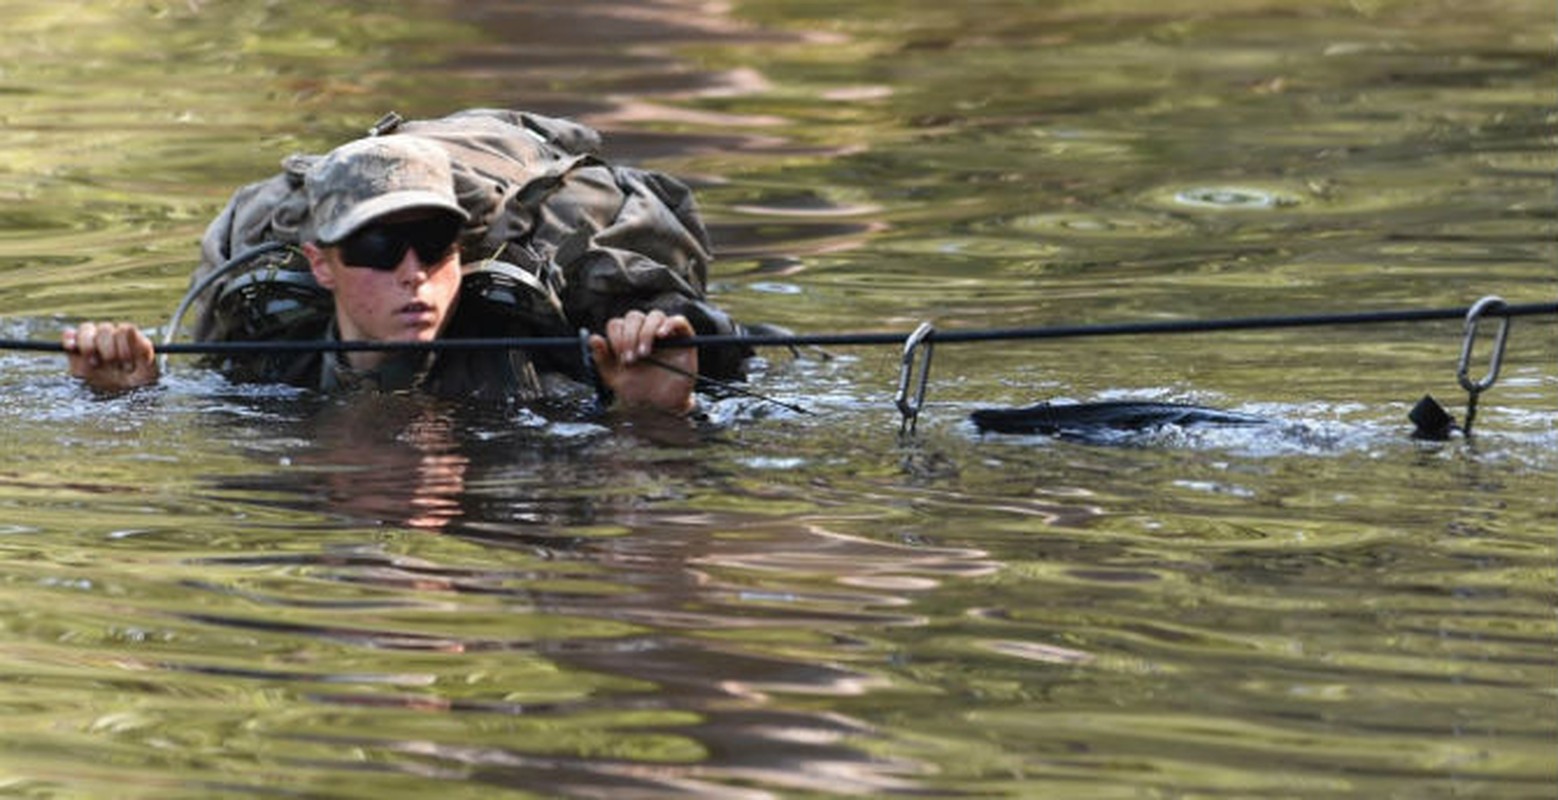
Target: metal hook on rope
(1474, 389)
(910, 409)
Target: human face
(410, 302)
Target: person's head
(386, 226)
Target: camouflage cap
(363, 180)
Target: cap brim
(384, 205)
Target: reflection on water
(658, 605)
(211, 590)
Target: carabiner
(911, 409)
(1474, 389)
(1473, 316)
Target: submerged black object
(1082, 419)
(1431, 420)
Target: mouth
(416, 312)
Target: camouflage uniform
(557, 240)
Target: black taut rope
(844, 339)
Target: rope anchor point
(916, 348)
(1491, 304)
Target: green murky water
(210, 590)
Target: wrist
(678, 409)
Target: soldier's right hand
(110, 356)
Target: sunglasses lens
(375, 247)
(434, 238)
(383, 247)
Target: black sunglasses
(383, 246)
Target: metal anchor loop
(910, 409)
(1474, 389)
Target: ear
(319, 264)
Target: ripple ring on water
(1232, 197)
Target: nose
(411, 270)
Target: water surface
(215, 590)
